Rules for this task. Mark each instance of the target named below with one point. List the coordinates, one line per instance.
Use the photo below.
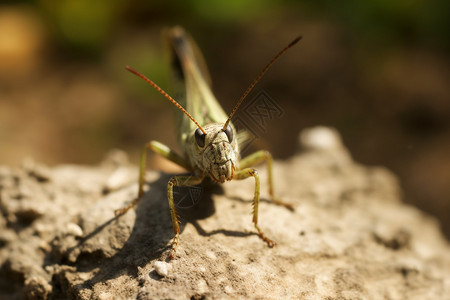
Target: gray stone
(350, 236)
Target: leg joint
(267, 154)
(172, 181)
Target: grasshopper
(207, 135)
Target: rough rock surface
(350, 237)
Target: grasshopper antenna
(165, 95)
(252, 85)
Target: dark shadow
(193, 206)
(152, 231)
(250, 200)
(90, 235)
(151, 234)
(233, 233)
(149, 238)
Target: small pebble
(162, 268)
(74, 229)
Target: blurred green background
(378, 71)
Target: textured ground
(350, 236)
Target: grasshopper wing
(192, 84)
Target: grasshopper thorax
(216, 151)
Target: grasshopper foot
(280, 202)
(123, 210)
(269, 242)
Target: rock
(37, 288)
(350, 236)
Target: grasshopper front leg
(162, 150)
(256, 158)
(179, 180)
(245, 173)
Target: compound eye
(229, 133)
(200, 138)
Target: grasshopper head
(217, 151)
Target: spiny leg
(160, 149)
(245, 173)
(179, 180)
(256, 158)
